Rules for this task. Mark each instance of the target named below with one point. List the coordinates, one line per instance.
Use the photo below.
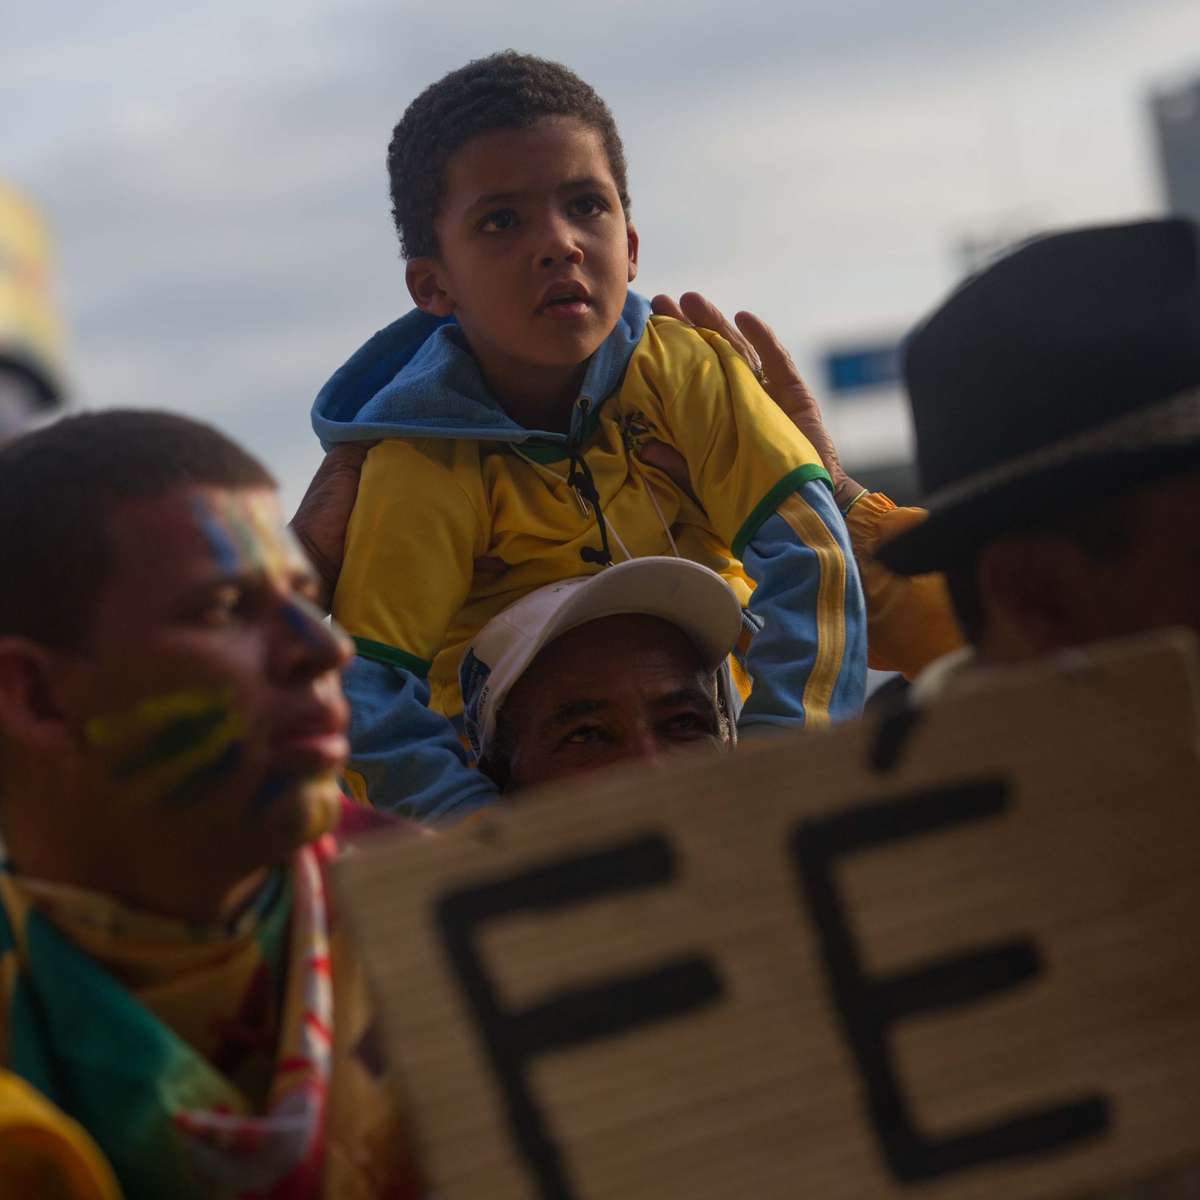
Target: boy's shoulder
(450, 453)
(422, 468)
(669, 360)
(680, 338)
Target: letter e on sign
(868, 1006)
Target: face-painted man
(171, 728)
(587, 673)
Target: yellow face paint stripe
(131, 728)
(831, 607)
(246, 534)
(217, 753)
(357, 785)
(168, 744)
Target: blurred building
(32, 370)
(1176, 115)
(862, 394)
(862, 399)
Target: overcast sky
(214, 174)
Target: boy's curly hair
(503, 91)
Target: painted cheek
(172, 747)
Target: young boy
(512, 404)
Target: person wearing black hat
(1056, 400)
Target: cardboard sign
(950, 955)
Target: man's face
(1044, 592)
(534, 250)
(207, 704)
(1156, 582)
(616, 689)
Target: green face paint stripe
(176, 779)
(194, 785)
(176, 738)
(244, 535)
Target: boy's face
(534, 253)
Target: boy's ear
(30, 712)
(424, 279)
(632, 235)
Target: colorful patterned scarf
(238, 1063)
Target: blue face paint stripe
(304, 620)
(272, 788)
(219, 542)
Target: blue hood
(416, 378)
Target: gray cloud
(215, 175)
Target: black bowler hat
(1066, 371)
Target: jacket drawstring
(580, 480)
(646, 483)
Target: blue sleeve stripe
(808, 663)
(830, 614)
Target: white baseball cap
(691, 597)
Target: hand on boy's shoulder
(701, 313)
(766, 355)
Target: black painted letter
(869, 1006)
(572, 1016)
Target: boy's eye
(499, 221)
(588, 206)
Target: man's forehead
(229, 531)
(244, 530)
(610, 651)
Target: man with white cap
(584, 673)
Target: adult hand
(766, 355)
(320, 521)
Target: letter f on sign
(570, 1016)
